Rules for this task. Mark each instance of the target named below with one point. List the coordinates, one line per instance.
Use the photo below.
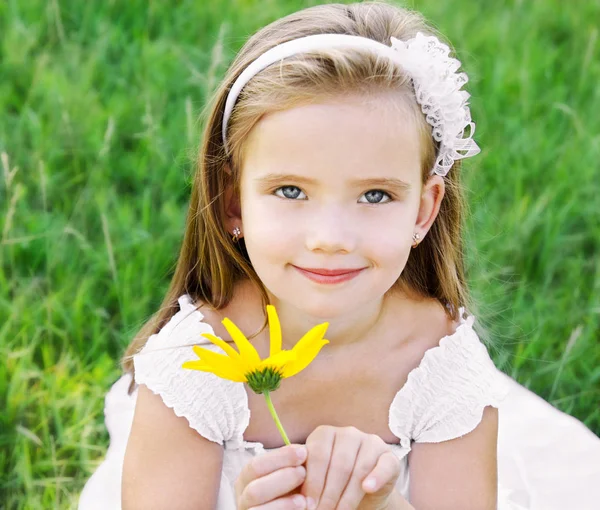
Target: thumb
(385, 475)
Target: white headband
(427, 62)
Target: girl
(328, 185)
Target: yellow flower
(246, 366)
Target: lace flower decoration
(437, 89)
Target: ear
(233, 209)
(431, 200)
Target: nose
(331, 231)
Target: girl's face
(335, 185)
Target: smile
(329, 276)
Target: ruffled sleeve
(213, 406)
(444, 397)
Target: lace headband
(433, 74)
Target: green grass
(98, 109)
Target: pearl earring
(236, 234)
(416, 238)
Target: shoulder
(423, 325)
(213, 406)
(434, 323)
(452, 351)
(453, 381)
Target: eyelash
(391, 198)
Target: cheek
(389, 249)
(389, 236)
(268, 232)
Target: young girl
(329, 185)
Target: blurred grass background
(99, 104)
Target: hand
(339, 462)
(266, 481)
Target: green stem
(276, 418)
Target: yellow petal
(314, 335)
(279, 360)
(274, 330)
(194, 365)
(307, 349)
(219, 361)
(221, 372)
(247, 350)
(231, 352)
(304, 358)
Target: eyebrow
(377, 181)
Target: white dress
(547, 459)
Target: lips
(329, 276)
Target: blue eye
(375, 196)
(291, 192)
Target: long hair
(209, 263)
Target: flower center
(267, 379)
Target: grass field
(98, 125)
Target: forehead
(354, 135)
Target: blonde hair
(209, 263)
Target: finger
(272, 486)
(270, 462)
(320, 446)
(287, 503)
(386, 471)
(368, 455)
(341, 466)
